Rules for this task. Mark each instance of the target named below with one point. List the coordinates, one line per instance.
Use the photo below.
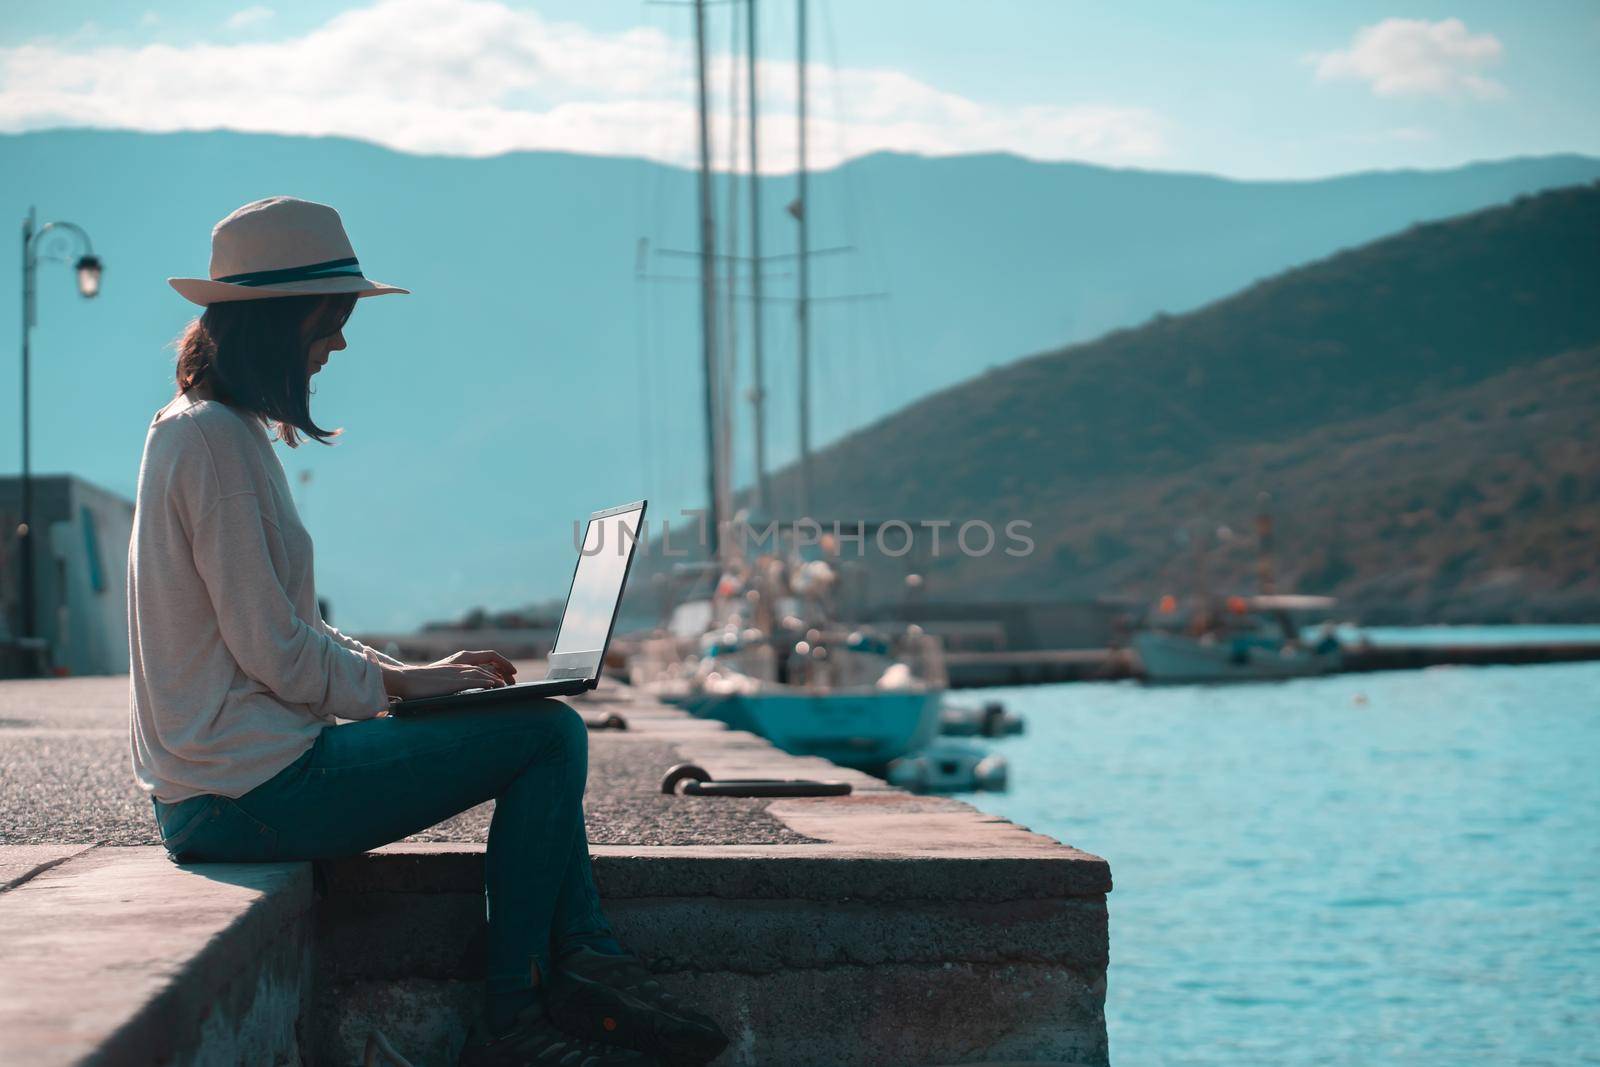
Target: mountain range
(547, 362)
(1418, 416)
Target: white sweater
(233, 670)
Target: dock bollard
(699, 784)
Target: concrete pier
(1416, 657)
(878, 928)
(982, 670)
(977, 670)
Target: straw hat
(280, 246)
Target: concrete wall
(119, 957)
(1005, 625)
(826, 962)
(80, 571)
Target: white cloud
(249, 16)
(1412, 57)
(477, 77)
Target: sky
(1246, 89)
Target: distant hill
(531, 377)
(1422, 410)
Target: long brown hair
(253, 354)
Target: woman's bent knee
(573, 730)
(556, 718)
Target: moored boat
(950, 766)
(1254, 639)
(861, 729)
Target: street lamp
(89, 269)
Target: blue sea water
(1397, 868)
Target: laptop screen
(597, 585)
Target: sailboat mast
(708, 289)
(1265, 580)
(758, 393)
(803, 304)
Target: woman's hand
(450, 675)
(492, 660)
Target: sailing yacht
(776, 659)
(766, 649)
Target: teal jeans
(368, 783)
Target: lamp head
(89, 269)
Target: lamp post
(88, 268)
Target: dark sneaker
(617, 1000)
(534, 1041)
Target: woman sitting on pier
(238, 682)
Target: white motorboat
(1253, 639)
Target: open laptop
(586, 624)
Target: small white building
(80, 573)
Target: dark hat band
(333, 268)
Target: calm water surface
(1366, 869)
